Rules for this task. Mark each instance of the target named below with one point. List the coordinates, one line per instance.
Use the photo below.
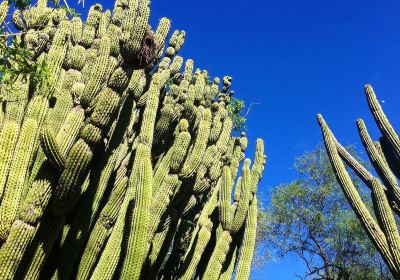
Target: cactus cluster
(119, 165)
(385, 192)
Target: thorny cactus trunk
(385, 157)
(119, 166)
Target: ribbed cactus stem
(97, 73)
(162, 31)
(141, 183)
(131, 17)
(107, 264)
(3, 11)
(21, 235)
(23, 229)
(225, 199)
(56, 58)
(248, 243)
(180, 146)
(8, 137)
(76, 30)
(194, 255)
(207, 210)
(18, 170)
(69, 130)
(218, 256)
(379, 163)
(381, 119)
(49, 230)
(160, 244)
(258, 165)
(387, 220)
(138, 29)
(194, 158)
(245, 197)
(52, 149)
(229, 268)
(353, 163)
(161, 200)
(67, 188)
(101, 231)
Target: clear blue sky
(295, 58)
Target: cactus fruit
(383, 231)
(121, 164)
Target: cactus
(120, 164)
(382, 230)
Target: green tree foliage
(235, 110)
(310, 219)
(15, 59)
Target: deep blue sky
(295, 58)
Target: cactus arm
(97, 73)
(225, 199)
(360, 170)
(3, 11)
(89, 29)
(381, 119)
(15, 100)
(248, 243)
(107, 264)
(23, 229)
(180, 146)
(101, 231)
(49, 230)
(141, 179)
(131, 16)
(379, 163)
(63, 100)
(67, 188)
(160, 244)
(69, 130)
(193, 256)
(218, 256)
(161, 33)
(76, 30)
(8, 137)
(55, 59)
(21, 234)
(141, 184)
(245, 197)
(138, 30)
(103, 24)
(387, 220)
(161, 201)
(194, 158)
(229, 268)
(18, 172)
(52, 149)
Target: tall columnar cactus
(384, 156)
(119, 165)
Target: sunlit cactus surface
(118, 158)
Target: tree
(310, 219)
